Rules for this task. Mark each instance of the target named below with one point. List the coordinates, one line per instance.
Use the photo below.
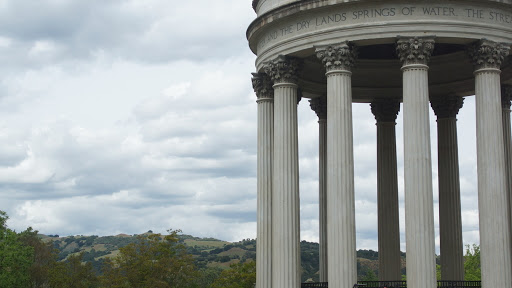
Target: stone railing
(314, 284)
(399, 284)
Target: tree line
(154, 260)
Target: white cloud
(132, 115)
(29, 170)
(5, 42)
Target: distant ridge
(207, 251)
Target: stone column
(450, 222)
(495, 244)
(414, 54)
(385, 112)
(506, 95)
(319, 105)
(285, 199)
(341, 235)
(263, 87)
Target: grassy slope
(208, 252)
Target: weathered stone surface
(419, 203)
(295, 43)
(263, 6)
(341, 236)
(416, 50)
(262, 85)
(319, 105)
(337, 57)
(285, 197)
(488, 54)
(385, 112)
(283, 69)
(447, 106)
(492, 182)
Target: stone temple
(424, 54)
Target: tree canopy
(472, 263)
(241, 275)
(154, 261)
(15, 257)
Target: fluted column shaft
(419, 214)
(285, 200)
(450, 226)
(323, 258)
(265, 93)
(506, 95)
(286, 229)
(492, 191)
(342, 268)
(450, 222)
(319, 105)
(387, 190)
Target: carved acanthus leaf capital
(337, 57)
(385, 110)
(283, 69)
(416, 50)
(446, 106)
(506, 96)
(319, 105)
(262, 85)
(488, 54)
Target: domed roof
(263, 6)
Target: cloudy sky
(122, 116)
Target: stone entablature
(299, 28)
(294, 27)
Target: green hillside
(207, 252)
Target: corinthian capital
(488, 54)
(262, 85)
(416, 50)
(506, 96)
(385, 110)
(337, 57)
(446, 106)
(283, 69)
(319, 105)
